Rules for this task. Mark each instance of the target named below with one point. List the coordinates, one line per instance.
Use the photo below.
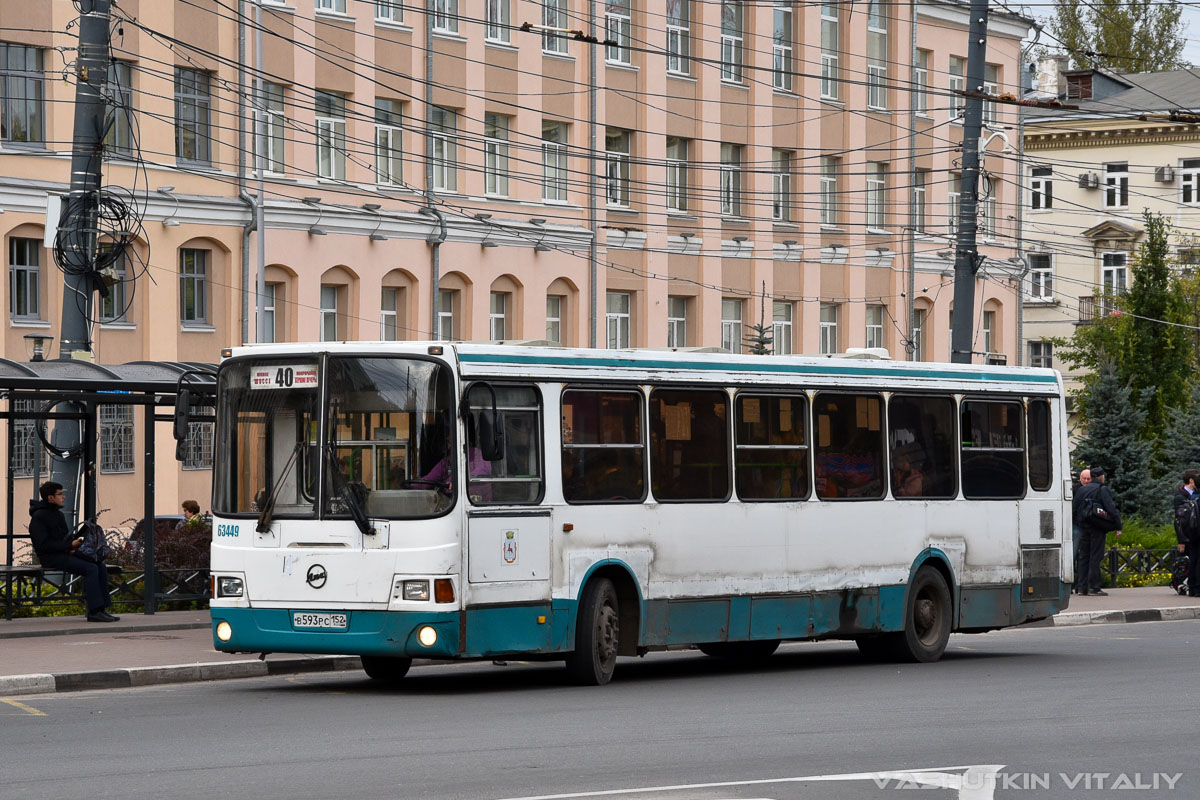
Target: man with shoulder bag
(1096, 514)
(1187, 527)
(56, 546)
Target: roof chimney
(1049, 80)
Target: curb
(92, 629)
(13, 685)
(1070, 618)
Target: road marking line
(30, 710)
(972, 784)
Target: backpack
(1187, 519)
(1094, 515)
(95, 545)
(1179, 573)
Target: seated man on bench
(55, 548)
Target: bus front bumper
(375, 633)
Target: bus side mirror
(183, 413)
(491, 435)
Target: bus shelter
(73, 390)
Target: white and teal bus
(465, 501)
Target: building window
(1041, 188)
(731, 40)
(920, 182)
(676, 321)
(331, 298)
(496, 25)
(677, 174)
(118, 136)
(987, 218)
(991, 87)
(445, 16)
(917, 338)
(554, 313)
(447, 300)
(193, 286)
(731, 180)
(617, 28)
(554, 161)
(616, 319)
(678, 36)
(334, 6)
(1189, 181)
(24, 278)
(781, 328)
(829, 328)
(272, 138)
(921, 82)
(877, 54)
(1114, 277)
(331, 135)
(114, 305)
(781, 185)
(830, 47)
(989, 331)
(28, 455)
(829, 190)
(616, 166)
(193, 103)
(731, 325)
(444, 133)
(781, 46)
(554, 18)
(198, 447)
(876, 196)
(498, 317)
(952, 199)
(958, 84)
(389, 10)
(270, 293)
(389, 319)
(495, 154)
(1041, 354)
(116, 438)
(22, 115)
(1116, 185)
(389, 142)
(875, 326)
(1041, 276)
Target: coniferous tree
(1120, 35)
(1180, 441)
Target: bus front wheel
(386, 668)
(927, 619)
(597, 635)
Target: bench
(25, 584)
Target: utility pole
(79, 233)
(966, 259)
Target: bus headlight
(224, 631)
(229, 587)
(416, 590)
(427, 636)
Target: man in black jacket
(1095, 528)
(55, 548)
(1186, 534)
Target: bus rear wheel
(745, 652)
(386, 668)
(927, 619)
(597, 635)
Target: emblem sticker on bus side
(510, 547)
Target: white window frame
(677, 321)
(495, 154)
(917, 338)
(444, 132)
(193, 276)
(1041, 188)
(781, 185)
(1189, 181)
(270, 293)
(616, 166)
(1116, 185)
(389, 145)
(331, 138)
(952, 200)
(496, 21)
(830, 48)
(447, 300)
(733, 33)
(330, 300)
(782, 45)
(782, 327)
(617, 318)
(498, 316)
(988, 323)
(273, 140)
(731, 324)
(991, 86)
(958, 83)
(554, 313)
(919, 194)
(25, 278)
(874, 331)
(828, 328)
(330, 6)
(389, 11)
(1041, 277)
(677, 175)
(921, 83)
(389, 316)
(618, 27)
(1041, 354)
(554, 16)
(828, 183)
(731, 179)
(555, 136)
(445, 16)
(679, 35)
(876, 196)
(877, 55)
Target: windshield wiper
(354, 495)
(268, 505)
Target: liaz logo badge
(227, 530)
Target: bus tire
(597, 635)
(386, 668)
(927, 618)
(744, 652)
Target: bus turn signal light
(443, 590)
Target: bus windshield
(389, 446)
(266, 445)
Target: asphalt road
(1050, 710)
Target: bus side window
(848, 429)
(771, 447)
(603, 448)
(515, 479)
(921, 432)
(689, 444)
(1041, 462)
(993, 461)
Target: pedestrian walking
(1096, 514)
(55, 547)
(1085, 477)
(1187, 527)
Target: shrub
(185, 546)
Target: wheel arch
(934, 558)
(629, 600)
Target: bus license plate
(306, 619)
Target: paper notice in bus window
(873, 414)
(568, 422)
(785, 414)
(678, 419)
(750, 411)
(860, 411)
(822, 430)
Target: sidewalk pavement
(63, 654)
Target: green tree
(1121, 35)
(1114, 441)
(1180, 441)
